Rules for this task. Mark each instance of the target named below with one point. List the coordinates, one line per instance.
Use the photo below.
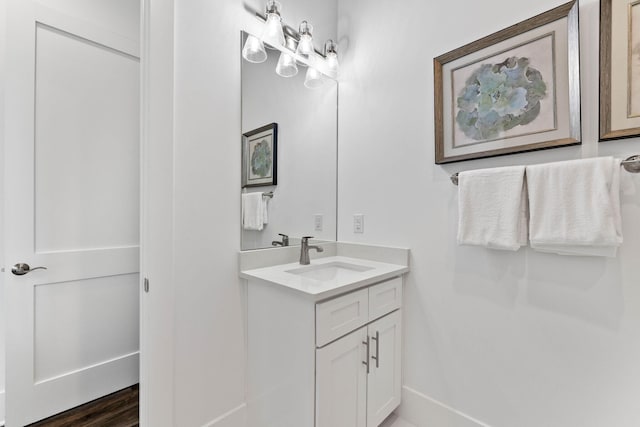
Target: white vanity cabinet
(328, 363)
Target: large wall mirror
(299, 153)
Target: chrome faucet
(304, 250)
(284, 242)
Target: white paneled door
(72, 206)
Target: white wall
(2, 265)
(307, 150)
(121, 16)
(209, 367)
(512, 339)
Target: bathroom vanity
(324, 341)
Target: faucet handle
(285, 239)
(307, 237)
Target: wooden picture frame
(260, 156)
(619, 69)
(515, 90)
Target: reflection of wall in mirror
(307, 150)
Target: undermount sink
(329, 270)
(326, 276)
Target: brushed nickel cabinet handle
(367, 359)
(377, 356)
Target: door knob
(21, 269)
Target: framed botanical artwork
(619, 69)
(512, 91)
(260, 156)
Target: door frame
(156, 214)
(3, 22)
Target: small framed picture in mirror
(260, 156)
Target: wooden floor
(119, 409)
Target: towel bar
(631, 164)
(268, 194)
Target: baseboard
(423, 411)
(236, 417)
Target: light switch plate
(317, 222)
(358, 223)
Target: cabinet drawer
(385, 297)
(339, 316)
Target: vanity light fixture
(296, 49)
(253, 50)
(273, 27)
(286, 63)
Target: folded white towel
(265, 210)
(492, 208)
(575, 207)
(252, 211)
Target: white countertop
(326, 285)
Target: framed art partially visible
(619, 69)
(512, 91)
(260, 156)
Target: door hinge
(146, 284)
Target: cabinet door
(341, 382)
(384, 382)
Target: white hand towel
(265, 209)
(252, 211)
(575, 207)
(492, 208)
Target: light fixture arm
(330, 48)
(272, 7)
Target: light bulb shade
(331, 55)
(273, 33)
(332, 63)
(313, 79)
(305, 45)
(286, 66)
(253, 50)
